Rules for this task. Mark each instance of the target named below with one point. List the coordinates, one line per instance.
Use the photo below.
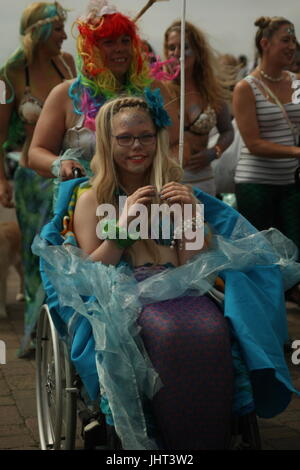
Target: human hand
(188, 224)
(67, 169)
(176, 192)
(6, 193)
(197, 161)
(142, 196)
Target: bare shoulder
(15, 75)
(243, 92)
(14, 79)
(242, 87)
(87, 201)
(60, 91)
(85, 212)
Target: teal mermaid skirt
(33, 196)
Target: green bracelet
(119, 235)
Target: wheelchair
(61, 395)
(55, 387)
(60, 401)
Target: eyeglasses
(128, 139)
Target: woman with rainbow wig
(111, 61)
(37, 66)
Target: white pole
(182, 84)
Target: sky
(229, 24)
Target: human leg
(289, 225)
(188, 342)
(256, 203)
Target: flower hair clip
(155, 105)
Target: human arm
(244, 107)
(171, 106)
(6, 191)
(203, 158)
(48, 135)
(85, 225)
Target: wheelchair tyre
(56, 394)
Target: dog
(10, 255)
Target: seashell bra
(30, 107)
(80, 138)
(203, 123)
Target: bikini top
(30, 107)
(204, 122)
(80, 138)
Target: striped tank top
(274, 127)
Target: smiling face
(117, 54)
(135, 159)
(58, 35)
(282, 46)
(173, 49)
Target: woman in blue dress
(187, 339)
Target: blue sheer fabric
(256, 267)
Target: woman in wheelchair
(171, 366)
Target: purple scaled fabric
(188, 342)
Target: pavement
(18, 418)
(18, 422)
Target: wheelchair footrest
(93, 429)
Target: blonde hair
(37, 12)
(31, 36)
(267, 27)
(105, 182)
(212, 87)
(230, 68)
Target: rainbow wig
(95, 83)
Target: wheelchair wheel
(56, 394)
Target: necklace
(272, 79)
